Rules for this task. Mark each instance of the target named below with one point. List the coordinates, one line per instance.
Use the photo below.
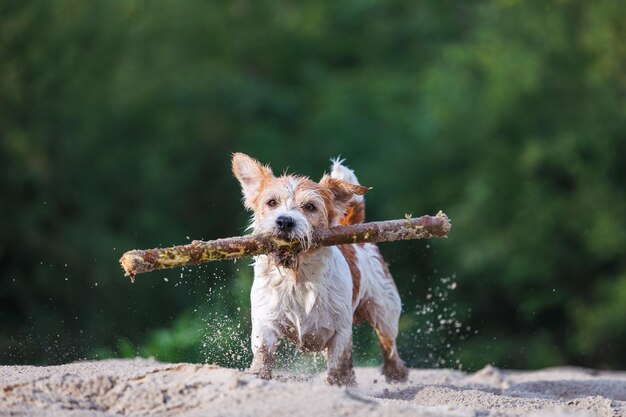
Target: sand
(143, 387)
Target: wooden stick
(139, 261)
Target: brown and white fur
(314, 298)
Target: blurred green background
(118, 118)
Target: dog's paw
(262, 373)
(395, 372)
(344, 379)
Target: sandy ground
(143, 387)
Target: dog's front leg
(339, 359)
(264, 339)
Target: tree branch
(139, 261)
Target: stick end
(447, 225)
(133, 263)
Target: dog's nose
(285, 223)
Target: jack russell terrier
(314, 297)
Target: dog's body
(314, 299)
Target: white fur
(316, 299)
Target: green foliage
(117, 119)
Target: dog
(313, 298)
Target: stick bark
(197, 252)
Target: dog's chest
(308, 307)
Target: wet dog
(313, 298)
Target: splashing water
(430, 342)
(225, 341)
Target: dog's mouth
(286, 259)
(286, 236)
(293, 237)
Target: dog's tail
(355, 213)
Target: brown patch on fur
(362, 312)
(342, 191)
(355, 213)
(349, 252)
(340, 194)
(386, 343)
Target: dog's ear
(341, 192)
(251, 174)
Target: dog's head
(291, 206)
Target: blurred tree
(117, 119)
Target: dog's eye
(272, 202)
(310, 207)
